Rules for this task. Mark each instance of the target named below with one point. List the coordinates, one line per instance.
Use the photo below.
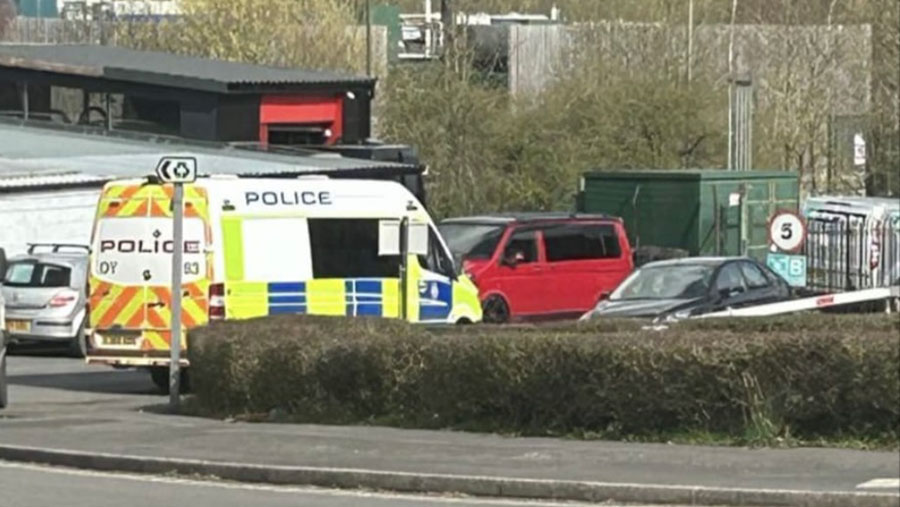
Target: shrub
(817, 376)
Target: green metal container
(702, 211)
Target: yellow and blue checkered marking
(360, 297)
(338, 297)
(435, 300)
(364, 297)
(287, 297)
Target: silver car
(3, 388)
(46, 296)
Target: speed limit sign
(787, 231)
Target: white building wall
(62, 216)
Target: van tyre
(160, 377)
(78, 345)
(495, 310)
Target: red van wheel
(495, 310)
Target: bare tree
(7, 16)
(298, 33)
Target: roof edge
(46, 66)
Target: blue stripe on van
(283, 309)
(287, 287)
(299, 299)
(368, 287)
(369, 310)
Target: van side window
(581, 242)
(522, 245)
(437, 260)
(348, 248)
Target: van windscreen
(471, 241)
(138, 250)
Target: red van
(540, 266)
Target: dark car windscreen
(666, 282)
(471, 241)
(37, 274)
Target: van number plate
(18, 326)
(119, 341)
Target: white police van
(259, 247)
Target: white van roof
(280, 194)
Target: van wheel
(495, 310)
(78, 345)
(160, 377)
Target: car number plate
(18, 326)
(119, 341)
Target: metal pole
(25, 101)
(369, 38)
(446, 27)
(690, 54)
(175, 347)
(718, 219)
(429, 36)
(109, 121)
(734, 4)
(404, 267)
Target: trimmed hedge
(756, 380)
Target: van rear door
(131, 268)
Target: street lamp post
(369, 38)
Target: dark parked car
(686, 287)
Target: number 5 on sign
(787, 231)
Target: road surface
(29, 485)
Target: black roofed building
(189, 97)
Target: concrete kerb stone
(479, 486)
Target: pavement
(65, 413)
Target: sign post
(787, 234)
(177, 171)
(402, 238)
(787, 231)
(404, 268)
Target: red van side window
(574, 242)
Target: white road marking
(213, 483)
(880, 484)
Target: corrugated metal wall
(657, 213)
(62, 216)
(705, 213)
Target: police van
(258, 247)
